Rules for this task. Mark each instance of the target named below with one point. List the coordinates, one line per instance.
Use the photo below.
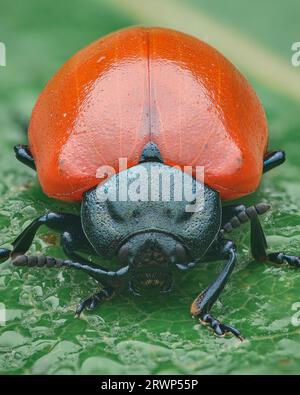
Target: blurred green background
(150, 335)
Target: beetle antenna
(46, 261)
(244, 216)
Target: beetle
(162, 100)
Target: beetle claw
(219, 329)
(79, 310)
(83, 305)
(91, 302)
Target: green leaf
(153, 334)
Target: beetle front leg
(94, 300)
(203, 303)
(72, 236)
(56, 221)
(53, 220)
(273, 159)
(24, 155)
(110, 280)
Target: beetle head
(152, 236)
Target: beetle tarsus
(92, 301)
(219, 328)
(281, 258)
(203, 303)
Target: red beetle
(162, 100)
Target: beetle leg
(92, 301)
(24, 155)
(70, 242)
(4, 254)
(219, 328)
(273, 159)
(72, 238)
(110, 280)
(59, 221)
(76, 240)
(56, 221)
(281, 257)
(203, 303)
(259, 247)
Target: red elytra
(148, 84)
